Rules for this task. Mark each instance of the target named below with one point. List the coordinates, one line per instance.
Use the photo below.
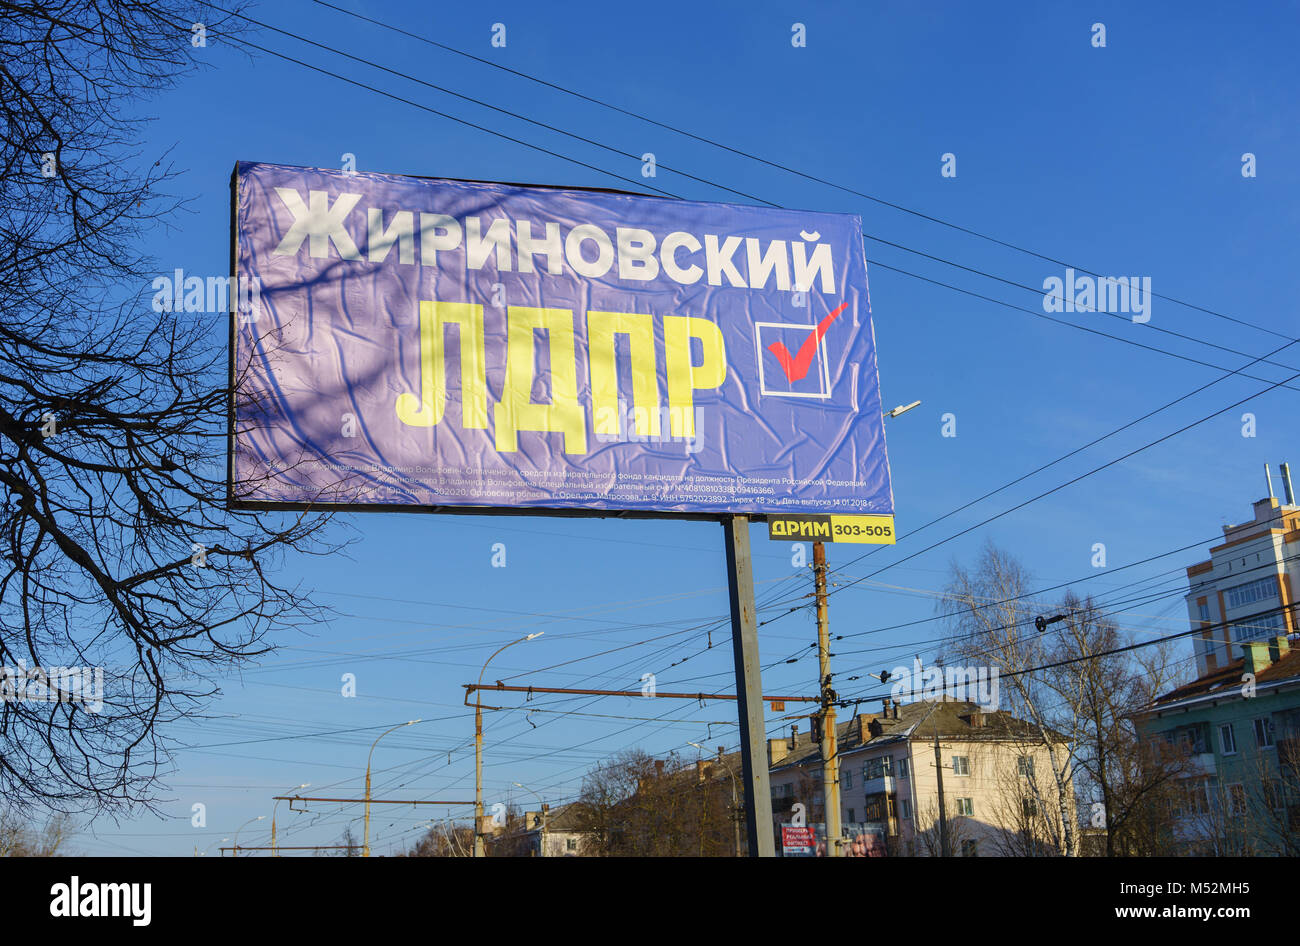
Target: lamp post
(209, 847)
(365, 843)
(541, 847)
(478, 746)
(902, 409)
(826, 718)
(735, 804)
(275, 806)
(235, 852)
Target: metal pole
(749, 688)
(365, 846)
(478, 779)
(829, 746)
(478, 744)
(735, 804)
(279, 799)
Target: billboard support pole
(749, 688)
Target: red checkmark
(795, 368)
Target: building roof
(952, 720)
(1228, 679)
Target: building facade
(1245, 591)
(999, 792)
(1238, 729)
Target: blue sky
(1125, 160)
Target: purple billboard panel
(406, 341)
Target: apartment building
(998, 789)
(1245, 591)
(1239, 729)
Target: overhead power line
(752, 156)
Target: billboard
(862, 839)
(470, 346)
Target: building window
(1029, 807)
(1025, 766)
(877, 768)
(852, 816)
(1274, 796)
(876, 809)
(570, 844)
(961, 765)
(1262, 589)
(1237, 799)
(970, 849)
(966, 806)
(1205, 611)
(1259, 628)
(1227, 740)
(847, 775)
(905, 808)
(1264, 733)
(902, 767)
(1192, 740)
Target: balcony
(883, 784)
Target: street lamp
(542, 804)
(735, 805)
(209, 847)
(275, 806)
(235, 853)
(826, 715)
(902, 409)
(478, 745)
(365, 844)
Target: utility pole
(829, 743)
(944, 845)
(365, 845)
(749, 689)
(480, 849)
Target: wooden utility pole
(945, 846)
(829, 743)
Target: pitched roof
(1229, 678)
(920, 720)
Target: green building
(1237, 729)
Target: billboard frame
(232, 503)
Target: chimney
(885, 705)
(699, 770)
(895, 709)
(659, 768)
(866, 731)
(776, 751)
(1268, 478)
(794, 736)
(1256, 656)
(1286, 485)
(1279, 647)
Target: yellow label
(863, 530)
(867, 530)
